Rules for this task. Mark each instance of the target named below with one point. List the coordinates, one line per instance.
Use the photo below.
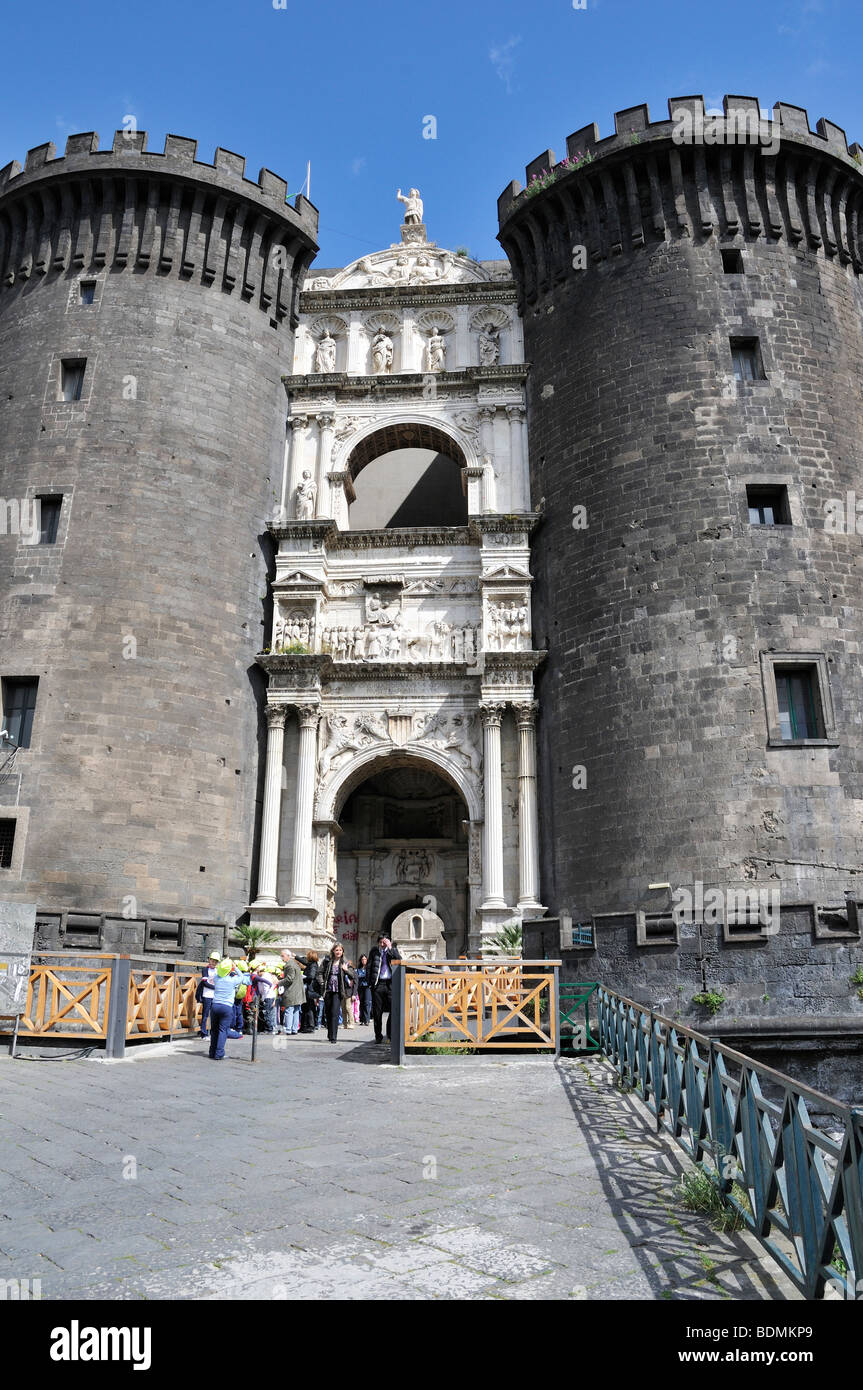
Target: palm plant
(507, 942)
(251, 938)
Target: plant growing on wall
(711, 999)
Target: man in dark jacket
(380, 977)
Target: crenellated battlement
(167, 211)
(696, 174)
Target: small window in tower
(746, 358)
(7, 843)
(416, 928)
(88, 291)
(72, 378)
(768, 505)
(19, 705)
(799, 704)
(732, 260)
(49, 518)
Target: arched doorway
(407, 474)
(402, 854)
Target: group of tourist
(296, 995)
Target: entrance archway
(402, 853)
(407, 474)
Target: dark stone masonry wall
(138, 795)
(661, 614)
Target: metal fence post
(118, 1007)
(397, 1014)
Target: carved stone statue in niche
(325, 354)
(306, 496)
(382, 353)
(489, 346)
(436, 352)
(413, 206)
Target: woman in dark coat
(365, 990)
(312, 978)
(337, 983)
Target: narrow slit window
(7, 843)
(49, 519)
(768, 506)
(88, 291)
(732, 261)
(799, 706)
(72, 378)
(19, 706)
(746, 359)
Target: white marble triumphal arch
(401, 773)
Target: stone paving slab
(324, 1172)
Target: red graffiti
(344, 919)
(349, 935)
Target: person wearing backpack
(222, 1010)
(204, 992)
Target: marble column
(308, 717)
(326, 505)
(269, 859)
(518, 462)
(462, 339)
(486, 436)
(492, 718)
(528, 824)
(298, 425)
(355, 364)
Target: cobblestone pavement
(325, 1172)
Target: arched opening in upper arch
(405, 475)
(402, 859)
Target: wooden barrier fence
(109, 999)
(485, 1005)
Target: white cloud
(502, 58)
(358, 164)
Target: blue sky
(348, 86)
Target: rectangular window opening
(746, 359)
(72, 378)
(768, 505)
(19, 705)
(88, 291)
(799, 703)
(732, 261)
(49, 518)
(7, 842)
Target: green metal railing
(575, 1030)
(798, 1189)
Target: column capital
(298, 422)
(487, 412)
(308, 716)
(276, 715)
(491, 713)
(515, 412)
(525, 713)
(326, 419)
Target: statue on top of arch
(413, 207)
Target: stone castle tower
(292, 656)
(147, 309)
(693, 318)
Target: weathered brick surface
(656, 614)
(142, 775)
